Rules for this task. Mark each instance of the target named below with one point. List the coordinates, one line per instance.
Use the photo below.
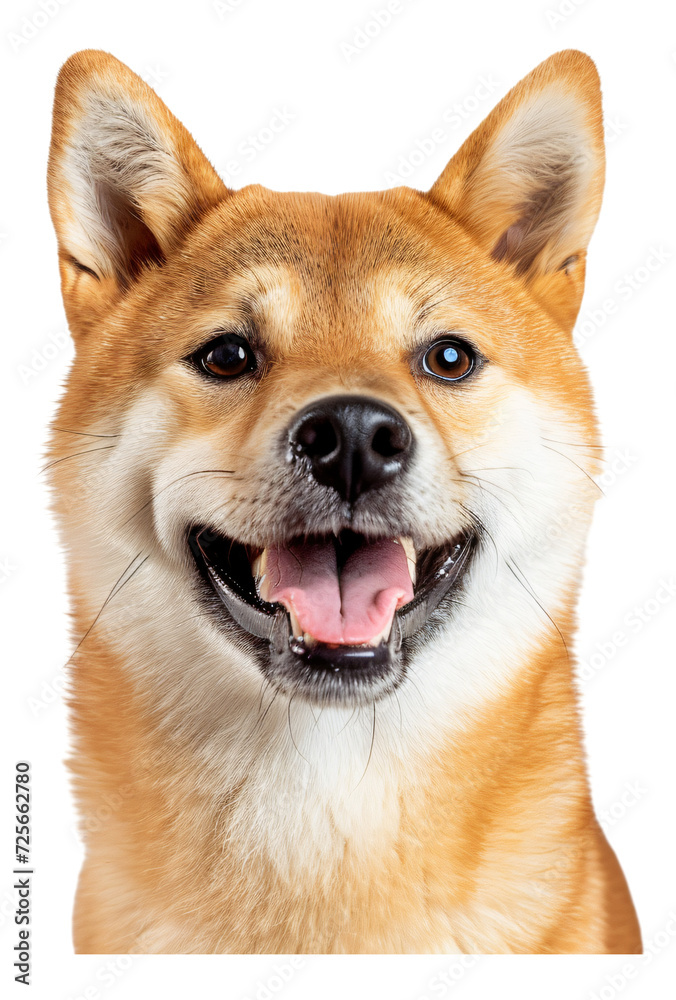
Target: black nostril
(391, 440)
(317, 438)
(351, 443)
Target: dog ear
(126, 182)
(527, 184)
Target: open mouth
(336, 611)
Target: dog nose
(353, 443)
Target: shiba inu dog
(324, 468)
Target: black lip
(347, 674)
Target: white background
(354, 116)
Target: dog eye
(449, 359)
(226, 357)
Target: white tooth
(309, 640)
(295, 625)
(258, 569)
(409, 549)
(376, 640)
(258, 565)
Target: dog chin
(330, 619)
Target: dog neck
(333, 809)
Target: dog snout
(352, 444)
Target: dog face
(343, 444)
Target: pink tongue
(374, 581)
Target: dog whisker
(199, 472)
(373, 739)
(113, 593)
(503, 468)
(261, 720)
(344, 727)
(77, 454)
(65, 430)
(577, 466)
(577, 444)
(478, 483)
(512, 567)
(288, 713)
(401, 718)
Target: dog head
(344, 443)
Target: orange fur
(482, 835)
